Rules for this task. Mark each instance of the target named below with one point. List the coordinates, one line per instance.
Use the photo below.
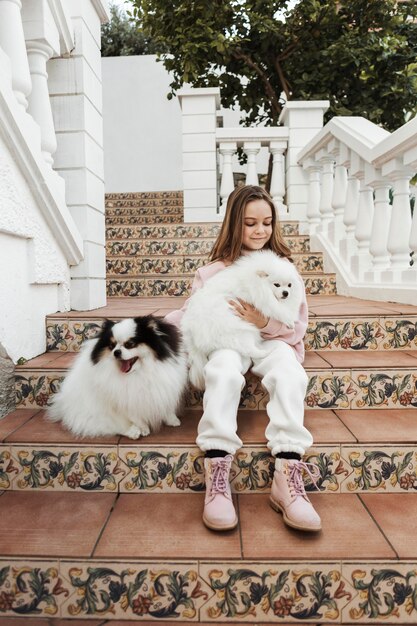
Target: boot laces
(296, 481)
(220, 476)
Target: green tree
(360, 54)
(120, 37)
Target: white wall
(142, 128)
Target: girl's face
(257, 225)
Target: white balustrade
(12, 41)
(251, 150)
(380, 226)
(326, 209)
(400, 226)
(313, 212)
(39, 102)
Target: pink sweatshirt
(273, 330)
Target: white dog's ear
(262, 274)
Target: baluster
(326, 209)
(400, 226)
(227, 150)
(380, 226)
(251, 149)
(39, 102)
(313, 201)
(338, 204)
(277, 191)
(12, 41)
(365, 216)
(348, 243)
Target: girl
(250, 223)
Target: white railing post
(348, 243)
(12, 41)
(227, 150)
(326, 208)
(339, 194)
(400, 225)
(251, 149)
(313, 212)
(277, 191)
(380, 224)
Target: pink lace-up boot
(288, 494)
(219, 512)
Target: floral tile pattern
(143, 219)
(68, 335)
(271, 592)
(384, 593)
(142, 195)
(385, 469)
(139, 591)
(146, 208)
(163, 247)
(362, 334)
(181, 286)
(8, 468)
(68, 468)
(31, 588)
(173, 231)
(341, 389)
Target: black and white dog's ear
(262, 274)
(107, 325)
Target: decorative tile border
(173, 231)
(67, 335)
(383, 468)
(142, 219)
(366, 592)
(324, 284)
(162, 247)
(268, 592)
(65, 468)
(146, 208)
(332, 389)
(143, 195)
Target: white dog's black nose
(117, 354)
(285, 294)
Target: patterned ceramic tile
(112, 210)
(132, 590)
(142, 219)
(8, 468)
(362, 334)
(31, 588)
(300, 243)
(68, 335)
(380, 468)
(181, 286)
(144, 195)
(68, 468)
(326, 390)
(163, 247)
(385, 593)
(174, 231)
(272, 592)
(385, 389)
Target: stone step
(188, 264)
(338, 380)
(354, 451)
(149, 557)
(180, 285)
(336, 323)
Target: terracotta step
(125, 566)
(338, 380)
(128, 265)
(355, 452)
(180, 285)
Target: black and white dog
(129, 380)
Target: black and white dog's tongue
(126, 366)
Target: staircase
(109, 529)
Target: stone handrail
(352, 165)
(228, 140)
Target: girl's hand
(249, 313)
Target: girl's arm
(175, 317)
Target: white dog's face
(280, 284)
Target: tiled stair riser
(210, 591)
(187, 231)
(305, 263)
(144, 219)
(137, 468)
(323, 284)
(380, 334)
(145, 210)
(116, 219)
(164, 247)
(335, 389)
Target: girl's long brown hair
(228, 245)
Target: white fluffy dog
(263, 279)
(128, 381)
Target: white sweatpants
(286, 382)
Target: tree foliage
(359, 54)
(120, 37)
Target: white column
(338, 203)
(227, 150)
(380, 226)
(365, 216)
(251, 149)
(39, 102)
(277, 191)
(326, 209)
(12, 41)
(348, 243)
(313, 213)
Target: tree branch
(276, 107)
(284, 82)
